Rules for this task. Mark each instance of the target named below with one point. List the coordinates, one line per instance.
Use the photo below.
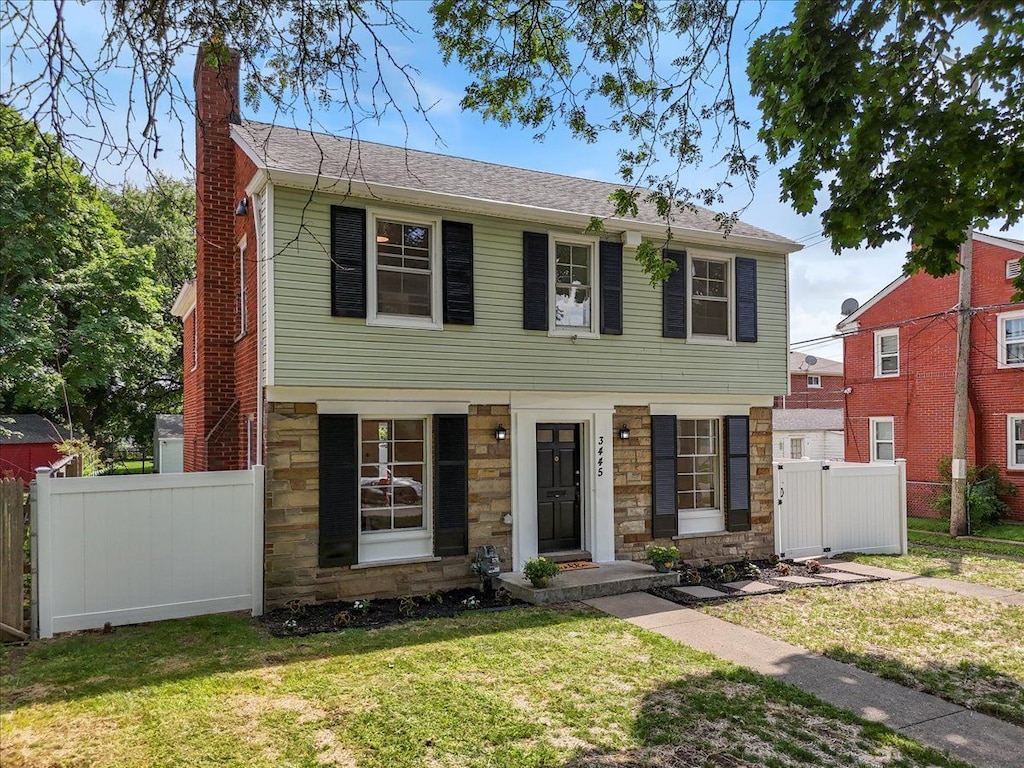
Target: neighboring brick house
(430, 354)
(900, 361)
(817, 384)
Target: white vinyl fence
(139, 548)
(831, 507)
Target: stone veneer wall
(292, 515)
(633, 496)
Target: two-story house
(900, 361)
(430, 354)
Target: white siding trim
(389, 408)
(268, 260)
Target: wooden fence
(12, 558)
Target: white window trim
(879, 335)
(696, 338)
(435, 321)
(1001, 338)
(377, 546)
(874, 442)
(243, 291)
(1010, 418)
(803, 446)
(707, 520)
(595, 289)
(817, 381)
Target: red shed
(28, 441)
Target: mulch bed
(340, 615)
(769, 573)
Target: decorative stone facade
(633, 497)
(292, 515)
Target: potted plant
(540, 571)
(662, 558)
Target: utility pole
(958, 500)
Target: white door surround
(597, 494)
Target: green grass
(951, 564)
(918, 529)
(132, 467)
(526, 687)
(963, 649)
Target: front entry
(558, 487)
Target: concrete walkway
(970, 589)
(977, 739)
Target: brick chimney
(211, 408)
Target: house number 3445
(600, 455)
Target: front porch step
(617, 578)
(568, 556)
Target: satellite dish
(849, 307)
(810, 360)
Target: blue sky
(819, 279)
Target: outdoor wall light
(624, 432)
(500, 433)
(243, 207)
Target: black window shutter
(611, 288)
(746, 299)
(451, 485)
(673, 298)
(339, 490)
(535, 281)
(737, 468)
(665, 517)
(457, 260)
(348, 261)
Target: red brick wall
(920, 399)
(829, 395)
(246, 359)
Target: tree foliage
(84, 337)
(856, 102)
(911, 133)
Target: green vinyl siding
(312, 348)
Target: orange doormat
(576, 565)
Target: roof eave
(185, 301)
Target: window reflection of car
(379, 491)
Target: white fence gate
(145, 547)
(831, 507)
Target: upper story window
(243, 291)
(405, 274)
(813, 382)
(710, 298)
(1011, 340)
(883, 438)
(574, 285)
(887, 353)
(1015, 441)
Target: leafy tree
(853, 88)
(83, 338)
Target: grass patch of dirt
(963, 649)
(522, 687)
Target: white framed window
(883, 438)
(394, 488)
(813, 381)
(796, 448)
(1015, 441)
(1011, 340)
(710, 290)
(699, 475)
(887, 353)
(574, 284)
(404, 274)
(243, 290)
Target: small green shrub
(987, 494)
(662, 555)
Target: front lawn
(949, 564)
(963, 649)
(523, 687)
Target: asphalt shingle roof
(289, 149)
(31, 428)
(169, 426)
(807, 419)
(824, 366)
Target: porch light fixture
(624, 432)
(500, 433)
(242, 208)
